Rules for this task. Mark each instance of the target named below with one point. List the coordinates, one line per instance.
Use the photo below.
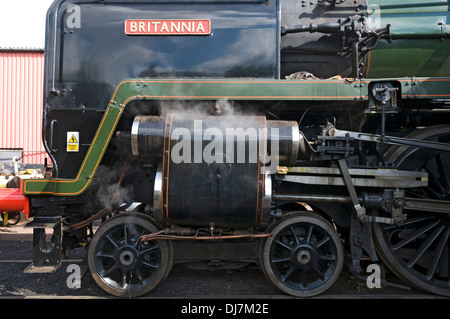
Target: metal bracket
(360, 239)
(384, 93)
(397, 216)
(47, 257)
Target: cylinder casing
(213, 169)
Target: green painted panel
(245, 89)
(424, 57)
(419, 42)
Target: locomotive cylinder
(213, 169)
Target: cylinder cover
(213, 169)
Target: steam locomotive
(301, 135)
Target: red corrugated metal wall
(21, 102)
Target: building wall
(21, 103)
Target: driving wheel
(121, 263)
(418, 251)
(304, 255)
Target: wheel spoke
(106, 273)
(319, 273)
(149, 264)
(297, 241)
(415, 235)
(280, 259)
(104, 255)
(425, 245)
(304, 279)
(138, 274)
(125, 234)
(435, 186)
(108, 236)
(287, 273)
(326, 257)
(137, 239)
(148, 250)
(409, 222)
(414, 220)
(283, 245)
(323, 241)
(124, 279)
(309, 234)
(437, 254)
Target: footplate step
(47, 256)
(32, 269)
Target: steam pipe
(162, 235)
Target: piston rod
(312, 198)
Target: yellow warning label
(73, 139)
(72, 147)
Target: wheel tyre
(121, 264)
(304, 256)
(398, 264)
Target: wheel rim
(304, 256)
(121, 263)
(418, 251)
